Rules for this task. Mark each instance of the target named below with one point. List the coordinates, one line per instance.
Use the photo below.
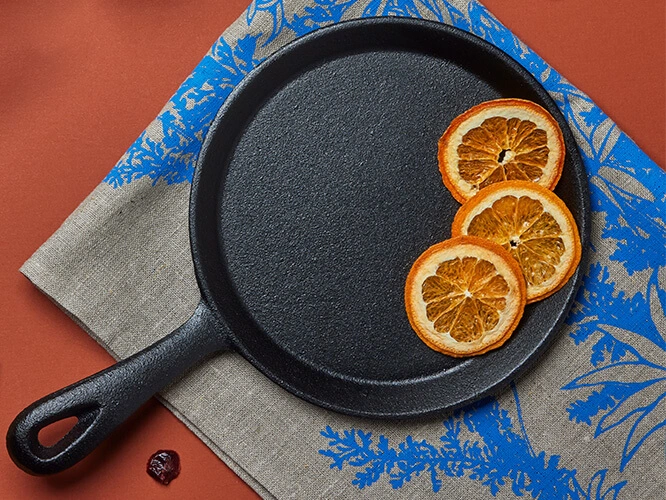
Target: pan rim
(209, 295)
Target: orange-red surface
(79, 80)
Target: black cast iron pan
(316, 188)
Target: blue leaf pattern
(167, 150)
(621, 392)
(479, 443)
(405, 8)
(272, 7)
(320, 14)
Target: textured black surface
(318, 189)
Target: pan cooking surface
(322, 180)
(332, 193)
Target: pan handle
(103, 401)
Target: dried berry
(164, 466)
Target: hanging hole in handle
(52, 433)
(82, 420)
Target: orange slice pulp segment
(464, 296)
(504, 139)
(531, 223)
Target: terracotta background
(79, 80)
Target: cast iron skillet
(316, 188)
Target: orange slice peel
(465, 296)
(504, 139)
(530, 222)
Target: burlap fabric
(586, 422)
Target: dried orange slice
(504, 139)
(533, 224)
(465, 296)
